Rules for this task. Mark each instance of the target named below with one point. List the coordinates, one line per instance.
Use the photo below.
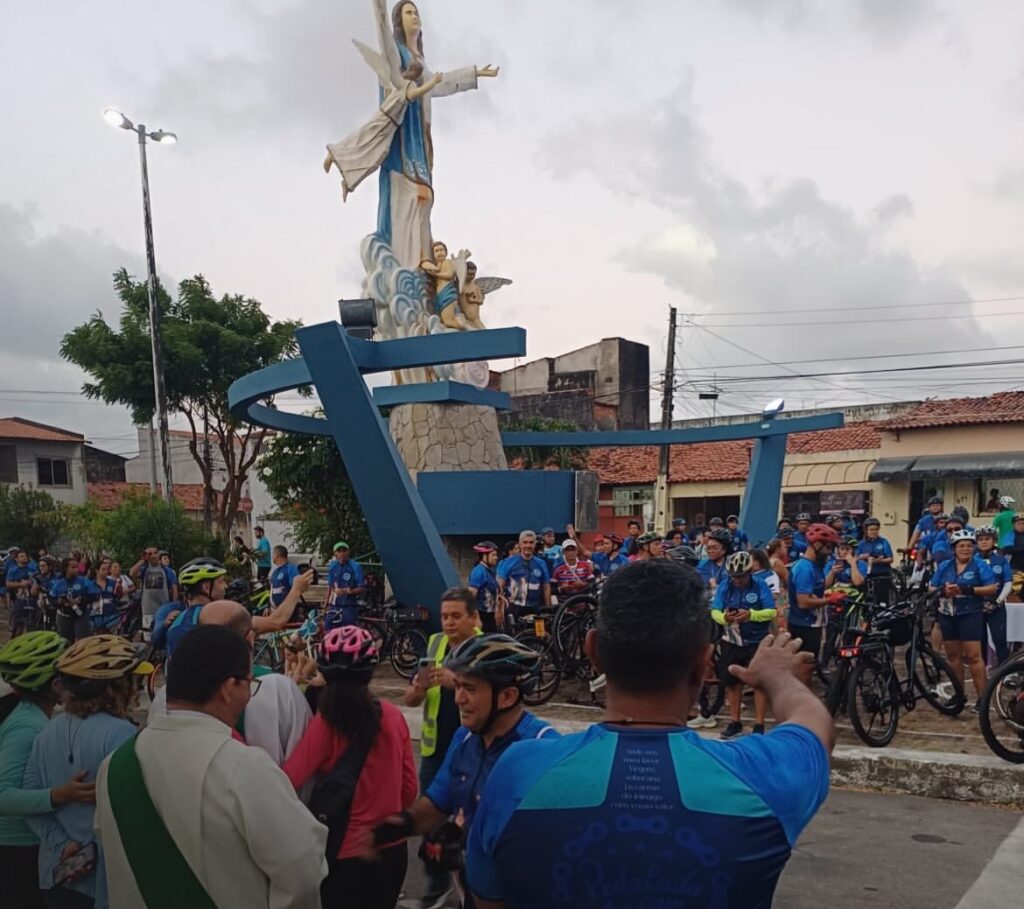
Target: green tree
(536, 457)
(139, 521)
(208, 343)
(308, 480)
(30, 518)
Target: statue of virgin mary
(396, 139)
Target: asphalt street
(905, 852)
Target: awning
(969, 466)
(891, 469)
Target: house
(37, 456)
(108, 495)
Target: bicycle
(1001, 710)
(876, 693)
(531, 629)
(397, 630)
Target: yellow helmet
(102, 657)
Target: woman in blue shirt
(966, 580)
(483, 584)
(845, 570)
(73, 595)
(995, 607)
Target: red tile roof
(109, 495)
(1004, 407)
(707, 462)
(20, 428)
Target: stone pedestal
(447, 437)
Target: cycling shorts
(729, 654)
(969, 627)
(810, 637)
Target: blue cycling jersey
(630, 817)
(712, 571)
(976, 573)
(483, 580)
(805, 576)
(281, 579)
(877, 548)
(755, 596)
(605, 565)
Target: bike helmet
(498, 659)
(615, 540)
(722, 536)
(987, 531)
(960, 510)
(30, 660)
(648, 538)
(739, 563)
(89, 664)
(852, 542)
(1007, 501)
(936, 500)
(872, 522)
(958, 536)
(821, 533)
(341, 544)
(679, 522)
(732, 518)
(199, 570)
(803, 516)
(716, 522)
(683, 553)
(784, 533)
(485, 546)
(348, 652)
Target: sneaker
(758, 728)
(732, 730)
(702, 722)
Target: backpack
(334, 792)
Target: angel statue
(473, 292)
(396, 139)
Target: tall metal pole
(154, 326)
(661, 497)
(208, 478)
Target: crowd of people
(301, 788)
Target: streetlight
(772, 409)
(116, 118)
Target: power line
(986, 315)
(926, 353)
(761, 312)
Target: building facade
(36, 456)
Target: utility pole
(207, 475)
(662, 519)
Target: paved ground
(880, 851)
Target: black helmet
(499, 659)
(803, 516)
(936, 500)
(723, 537)
(962, 512)
(872, 522)
(683, 553)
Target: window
(8, 464)
(53, 472)
(988, 490)
(629, 500)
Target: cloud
(1008, 186)
(892, 208)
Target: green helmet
(648, 537)
(199, 570)
(30, 660)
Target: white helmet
(958, 536)
(1006, 502)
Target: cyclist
(675, 537)
(98, 679)
(350, 725)
(19, 588)
(923, 545)
(73, 595)
(491, 673)
(845, 569)
(995, 607)
(876, 554)
(712, 566)
(203, 580)
(483, 583)
(551, 551)
(940, 547)
(157, 583)
(28, 666)
(964, 515)
(807, 600)
(573, 574)
(799, 543)
(836, 522)
(684, 553)
(610, 558)
(525, 579)
(636, 810)
(282, 575)
(629, 544)
(745, 608)
(1003, 521)
(41, 582)
(927, 522)
(740, 541)
(345, 584)
(966, 581)
(1013, 547)
(680, 525)
(648, 547)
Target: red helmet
(821, 533)
(348, 652)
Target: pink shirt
(387, 784)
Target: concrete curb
(958, 777)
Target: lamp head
(116, 118)
(773, 408)
(163, 137)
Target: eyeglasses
(254, 684)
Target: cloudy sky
(810, 181)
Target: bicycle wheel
(565, 626)
(269, 653)
(835, 696)
(408, 647)
(1000, 709)
(550, 671)
(936, 683)
(872, 700)
(712, 692)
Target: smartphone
(426, 662)
(82, 862)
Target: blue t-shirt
(797, 546)
(281, 582)
(640, 817)
(524, 580)
(16, 572)
(81, 589)
(552, 555)
(845, 574)
(349, 574)
(740, 541)
(605, 565)
(879, 549)
(976, 573)
(939, 547)
(158, 636)
(711, 571)
(926, 524)
(467, 764)
(485, 582)
(261, 552)
(1001, 569)
(755, 595)
(182, 625)
(805, 577)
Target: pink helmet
(348, 652)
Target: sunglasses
(254, 684)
